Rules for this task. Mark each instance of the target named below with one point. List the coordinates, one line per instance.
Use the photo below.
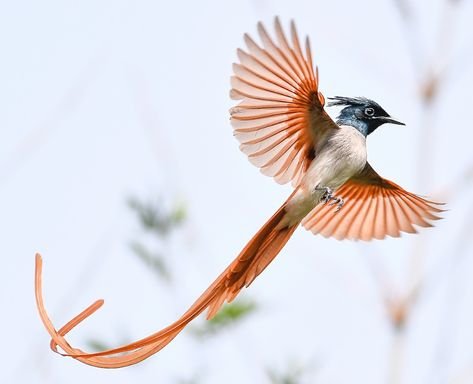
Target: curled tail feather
(252, 260)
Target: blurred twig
(68, 103)
(152, 260)
(149, 121)
(411, 35)
(461, 183)
(430, 80)
(453, 296)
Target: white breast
(341, 157)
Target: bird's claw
(328, 196)
(338, 201)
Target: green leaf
(230, 314)
(179, 213)
(97, 345)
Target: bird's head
(361, 113)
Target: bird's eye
(369, 111)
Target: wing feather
(405, 222)
(391, 218)
(374, 208)
(280, 118)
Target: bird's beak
(389, 119)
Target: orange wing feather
(374, 208)
(281, 118)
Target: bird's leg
(328, 195)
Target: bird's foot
(328, 196)
(338, 201)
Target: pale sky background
(102, 100)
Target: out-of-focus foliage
(152, 259)
(154, 217)
(158, 222)
(230, 314)
(97, 345)
(293, 374)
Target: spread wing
(280, 119)
(374, 208)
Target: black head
(361, 113)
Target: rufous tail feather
(252, 260)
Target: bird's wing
(374, 208)
(280, 119)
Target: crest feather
(351, 101)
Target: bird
(282, 125)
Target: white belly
(343, 156)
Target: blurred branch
(398, 310)
(152, 260)
(67, 104)
(430, 80)
(411, 35)
(455, 255)
(461, 183)
(396, 357)
(453, 295)
(404, 10)
(149, 121)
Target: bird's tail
(252, 260)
